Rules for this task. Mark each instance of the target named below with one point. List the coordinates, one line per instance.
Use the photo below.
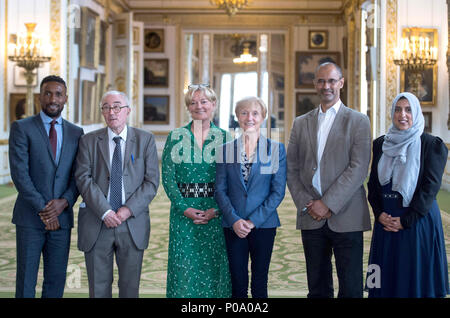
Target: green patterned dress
(198, 262)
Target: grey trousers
(99, 263)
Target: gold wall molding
(261, 21)
(391, 68)
(350, 13)
(5, 73)
(55, 36)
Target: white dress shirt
(325, 121)
(112, 146)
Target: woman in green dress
(198, 263)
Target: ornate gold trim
(391, 68)
(5, 74)
(55, 36)
(4, 142)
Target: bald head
(329, 64)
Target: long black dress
(411, 262)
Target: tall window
(233, 88)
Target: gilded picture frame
(88, 100)
(156, 109)
(156, 72)
(428, 118)
(100, 87)
(90, 25)
(17, 105)
(306, 63)
(154, 40)
(318, 39)
(305, 102)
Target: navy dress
(412, 262)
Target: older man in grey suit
(328, 158)
(117, 175)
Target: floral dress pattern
(197, 261)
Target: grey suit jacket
(140, 180)
(344, 167)
(36, 175)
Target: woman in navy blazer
(250, 185)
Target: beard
(52, 110)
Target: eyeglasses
(197, 86)
(116, 108)
(331, 81)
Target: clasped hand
(318, 210)
(49, 215)
(199, 216)
(243, 227)
(114, 219)
(390, 223)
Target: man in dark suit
(42, 151)
(117, 174)
(327, 161)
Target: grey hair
(248, 101)
(113, 92)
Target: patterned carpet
(287, 276)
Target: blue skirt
(411, 262)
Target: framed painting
(99, 91)
(427, 84)
(156, 72)
(156, 109)
(306, 64)
(428, 117)
(154, 40)
(88, 100)
(305, 102)
(103, 42)
(17, 106)
(89, 32)
(318, 39)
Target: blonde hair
(247, 101)
(209, 94)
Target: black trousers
(258, 244)
(319, 245)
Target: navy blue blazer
(258, 201)
(36, 175)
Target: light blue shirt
(59, 132)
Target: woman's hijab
(400, 160)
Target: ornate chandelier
(230, 6)
(414, 54)
(246, 57)
(29, 51)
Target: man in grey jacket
(117, 175)
(328, 158)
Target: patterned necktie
(53, 137)
(115, 194)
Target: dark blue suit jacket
(36, 175)
(258, 201)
